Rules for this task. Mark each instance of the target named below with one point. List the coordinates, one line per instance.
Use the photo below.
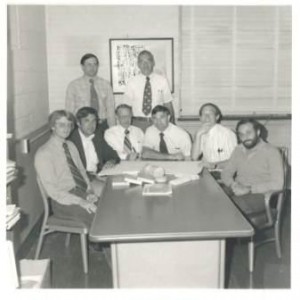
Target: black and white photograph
(148, 148)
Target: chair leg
(68, 238)
(40, 242)
(277, 241)
(83, 238)
(251, 255)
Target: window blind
(238, 57)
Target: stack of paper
(157, 189)
(10, 170)
(12, 215)
(119, 181)
(177, 168)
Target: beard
(249, 144)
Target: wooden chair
(53, 224)
(272, 217)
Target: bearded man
(254, 168)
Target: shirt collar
(87, 78)
(85, 138)
(56, 140)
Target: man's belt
(148, 119)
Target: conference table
(171, 241)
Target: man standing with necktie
(125, 138)
(62, 173)
(146, 90)
(164, 140)
(92, 90)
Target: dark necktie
(127, 143)
(147, 99)
(78, 178)
(162, 144)
(94, 96)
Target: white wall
(27, 65)
(75, 30)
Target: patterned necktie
(78, 178)
(127, 143)
(162, 144)
(94, 96)
(147, 99)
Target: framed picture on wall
(123, 59)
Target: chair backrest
(284, 153)
(44, 197)
(282, 196)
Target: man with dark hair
(146, 90)
(62, 174)
(213, 141)
(91, 90)
(254, 168)
(164, 140)
(88, 138)
(125, 138)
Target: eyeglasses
(64, 125)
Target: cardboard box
(35, 273)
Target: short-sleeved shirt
(218, 144)
(177, 139)
(78, 95)
(115, 135)
(134, 92)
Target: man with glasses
(125, 138)
(146, 90)
(62, 174)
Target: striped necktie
(162, 144)
(127, 143)
(77, 176)
(147, 98)
(94, 96)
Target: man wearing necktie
(146, 90)
(125, 138)
(62, 174)
(164, 140)
(92, 90)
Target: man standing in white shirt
(164, 140)
(125, 138)
(146, 90)
(212, 140)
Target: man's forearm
(148, 153)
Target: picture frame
(124, 54)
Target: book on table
(157, 189)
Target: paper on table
(178, 168)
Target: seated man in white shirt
(213, 141)
(125, 138)
(164, 140)
(94, 152)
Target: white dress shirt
(135, 91)
(89, 151)
(218, 144)
(115, 135)
(177, 139)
